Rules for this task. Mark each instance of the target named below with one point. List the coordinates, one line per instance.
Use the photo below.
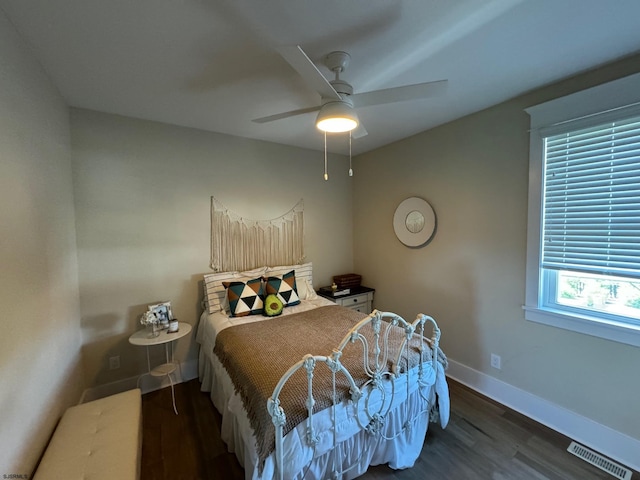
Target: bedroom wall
(142, 193)
(471, 277)
(40, 363)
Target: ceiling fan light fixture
(337, 117)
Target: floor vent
(599, 461)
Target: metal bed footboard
(383, 365)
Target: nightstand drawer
(353, 300)
(360, 307)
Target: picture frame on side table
(163, 312)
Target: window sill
(609, 330)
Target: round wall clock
(414, 222)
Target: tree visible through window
(612, 295)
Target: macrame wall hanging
(239, 243)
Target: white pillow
(310, 293)
(304, 278)
(214, 292)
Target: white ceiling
(212, 64)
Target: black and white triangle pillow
(284, 287)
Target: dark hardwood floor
(484, 440)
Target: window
(583, 244)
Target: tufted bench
(97, 440)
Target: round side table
(166, 338)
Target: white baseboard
(605, 440)
(187, 371)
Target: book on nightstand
(334, 293)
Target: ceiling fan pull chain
(350, 169)
(326, 174)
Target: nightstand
(166, 338)
(359, 299)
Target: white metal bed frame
(370, 420)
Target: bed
(320, 391)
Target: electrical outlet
(496, 361)
(114, 362)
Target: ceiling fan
(338, 102)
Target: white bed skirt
(355, 446)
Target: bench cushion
(97, 440)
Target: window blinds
(591, 214)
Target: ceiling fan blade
(301, 63)
(400, 94)
(359, 131)
(279, 116)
